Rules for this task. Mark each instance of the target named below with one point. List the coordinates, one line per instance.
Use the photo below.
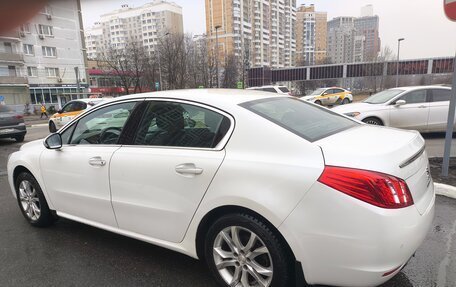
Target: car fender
(30, 161)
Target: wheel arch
(374, 117)
(217, 212)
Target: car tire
(19, 139)
(318, 103)
(32, 202)
(346, 101)
(231, 256)
(52, 127)
(373, 121)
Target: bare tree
(230, 72)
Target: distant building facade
(145, 24)
(263, 31)
(311, 30)
(38, 60)
(351, 39)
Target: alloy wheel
(372, 122)
(30, 202)
(241, 258)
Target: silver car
(422, 108)
(11, 124)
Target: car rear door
(77, 175)
(438, 110)
(159, 179)
(414, 114)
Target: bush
(27, 109)
(51, 110)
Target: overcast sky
(422, 23)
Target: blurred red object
(16, 12)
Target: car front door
(413, 114)
(326, 97)
(438, 110)
(77, 175)
(158, 181)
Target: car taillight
(376, 188)
(19, 117)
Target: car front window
(383, 97)
(306, 120)
(103, 126)
(317, 92)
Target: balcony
(11, 57)
(12, 80)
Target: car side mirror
(400, 103)
(59, 111)
(53, 141)
(325, 94)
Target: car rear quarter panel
(267, 169)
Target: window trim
(219, 147)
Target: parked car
(69, 111)
(254, 184)
(11, 124)
(281, 90)
(329, 96)
(422, 108)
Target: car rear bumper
(13, 131)
(342, 241)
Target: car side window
(337, 91)
(68, 107)
(181, 125)
(79, 106)
(415, 97)
(271, 90)
(440, 95)
(103, 126)
(329, 92)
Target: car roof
(215, 97)
(269, 86)
(411, 88)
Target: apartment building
(351, 39)
(146, 24)
(310, 36)
(38, 61)
(262, 30)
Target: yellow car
(71, 110)
(330, 96)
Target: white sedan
(254, 184)
(422, 108)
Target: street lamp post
(217, 55)
(397, 63)
(159, 64)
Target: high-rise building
(368, 26)
(44, 55)
(310, 36)
(145, 24)
(261, 30)
(353, 39)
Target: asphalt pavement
(73, 254)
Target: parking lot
(73, 254)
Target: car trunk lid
(391, 151)
(9, 119)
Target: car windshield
(284, 89)
(317, 92)
(5, 109)
(383, 97)
(306, 120)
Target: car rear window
(284, 89)
(306, 120)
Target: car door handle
(188, 168)
(422, 107)
(97, 161)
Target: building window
(28, 50)
(32, 72)
(25, 28)
(52, 72)
(46, 30)
(49, 52)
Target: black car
(11, 124)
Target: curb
(445, 190)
